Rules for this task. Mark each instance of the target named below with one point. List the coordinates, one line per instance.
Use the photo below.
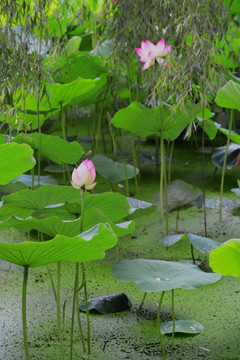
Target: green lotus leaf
(172, 239)
(229, 96)
(95, 94)
(81, 65)
(87, 247)
(113, 205)
(209, 125)
(25, 202)
(57, 95)
(73, 45)
(53, 147)
(158, 275)
(233, 135)
(226, 258)
(54, 225)
(202, 244)
(145, 122)
(22, 120)
(140, 207)
(112, 171)
(2, 139)
(15, 160)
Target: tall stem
(58, 311)
(166, 196)
(159, 324)
(135, 164)
(86, 305)
(125, 169)
(173, 319)
(161, 183)
(203, 180)
(24, 312)
(224, 164)
(193, 257)
(75, 304)
(64, 134)
(170, 162)
(131, 97)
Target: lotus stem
(78, 312)
(32, 174)
(40, 140)
(52, 282)
(24, 312)
(131, 97)
(159, 324)
(58, 311)
(170, 162)
(203, 179)
(125, 170)
(161, 184)
(173, 329)
(193, 258)
(166, 196)
(75, 304)
(177, 219)
(135, 165)
(64, 135)
(224, 164)
(86, 305)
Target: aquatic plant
(160, 276)
(149, 53)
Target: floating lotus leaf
(27, 180)
(140, 207)
(236, 191)
(112, 171)
(61, 248)
(182, 326)
(202, 244)
(172, 239)
(15, 159)
(159, 275)
(108, 304)
(180, 194)
(218, 155)
(226, 258)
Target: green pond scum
(119, 174)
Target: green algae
(121, 335)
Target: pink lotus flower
(149, 52)
(83, 177)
